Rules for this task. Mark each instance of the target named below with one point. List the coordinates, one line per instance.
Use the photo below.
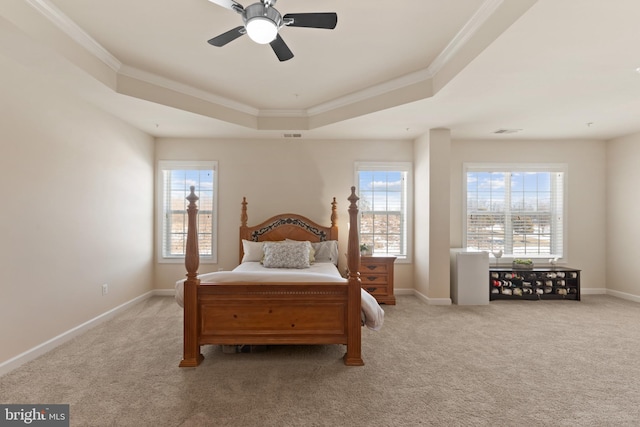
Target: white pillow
(326, 251)
(286, 255)
(252, 251)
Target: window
(518, 209)
(384, 189)
(174, 181)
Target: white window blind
(175, 180)
(383, 188)
(518, 209)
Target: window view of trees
(383, 211)
(176, 187)
(519, 213)
(381, 231)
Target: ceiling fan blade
(227, 37)
(229, 4)
(312, 20)
(281, 49)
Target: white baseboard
(593, 291)
(623, 295)
(164, 292)
(583, 291)
(611, 292)
(39, 350)
(431, 301)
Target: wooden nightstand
(376, 275)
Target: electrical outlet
(105, 289)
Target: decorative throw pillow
(252, 251)
(286, 255)
(326, 251)
(312, 251)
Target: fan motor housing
(259, 10)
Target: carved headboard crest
(322, 235)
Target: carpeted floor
(511, 363)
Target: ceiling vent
(506, 131)
(293, 135)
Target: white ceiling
(390, 70)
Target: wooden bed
(265, 313)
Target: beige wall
(623, 216)
(421, 171)
(586, 188)
(432, 216)
(439, 213)
(277, 176)
(77, 209)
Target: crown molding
(484, 12)
(373, 91)
(182, 88)
(77, 34)
(283, 113)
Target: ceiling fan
(262, 22)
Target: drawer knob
(371, 289)
(372, 278)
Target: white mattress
(372, 313)
(328, 271)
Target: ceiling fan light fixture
(262, 23)
(261, 30)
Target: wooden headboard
(287, 226)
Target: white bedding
(372, 313)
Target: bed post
(243, 216)
(191, 354)
(243, 226)
(334, 219)
(353, 357)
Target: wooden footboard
(272, 313)
(265, 313)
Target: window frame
(164, 165)
(407, 169)
(521, 168)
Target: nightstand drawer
(371, 267)
(377, 279)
